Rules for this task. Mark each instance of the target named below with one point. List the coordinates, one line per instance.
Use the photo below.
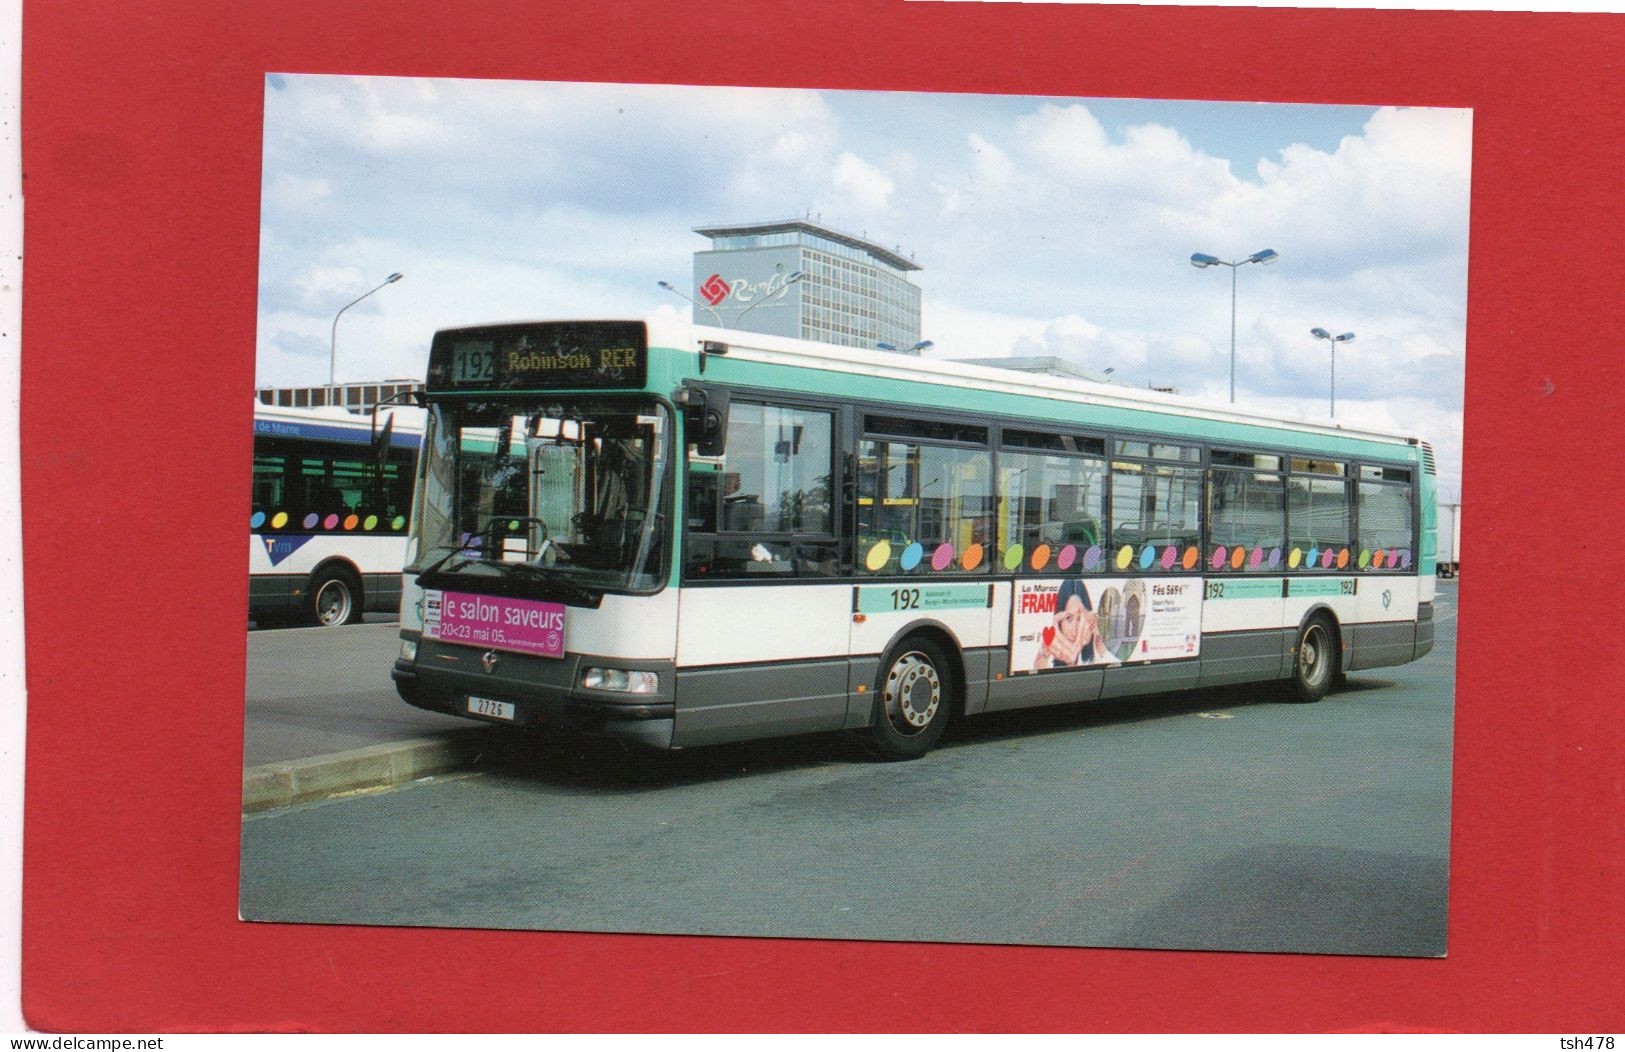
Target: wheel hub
(1311, 656)
(913, 692)
(333, 603)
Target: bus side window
(765, 507)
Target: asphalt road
(322, 690)
(1219, 820)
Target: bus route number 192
(905, 599)
(473, 361)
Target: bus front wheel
(1316, 660)
(913, 698)
(334, 598)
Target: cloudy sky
(1044, 225)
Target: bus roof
(782, 350)
(408, 418)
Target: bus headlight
(409, 651)
(620, 680)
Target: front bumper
(543, 691)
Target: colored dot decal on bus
(1293, 559)
(397, 522)
(1219, 555)
(310, 521)
(1275, 558)
(972, 557)
(1040, 557)
(350, 521)
(1012, 557)
(1169, 554)
(1342, 558)
(878, 556)
(1190, 559)
(372, 521)
(1311, 557)
(942, 556)
(1405, 559)
(1326, 557)
(257, 521)
(1255, 560)
(330, 522)
(1125, 555)
(1148, 555)
(279, 520)
(911, 557)
(1376, 558)
(1069, 555)
(1238, 556)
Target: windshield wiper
(456, 550)
(555, 578)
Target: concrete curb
(273, 785)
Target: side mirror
(705, 415)
(380, 438)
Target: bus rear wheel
(913, 698)
(334, 598)
(1316, 660)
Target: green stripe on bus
(1317, 586)
(1267, 588)
(885, 598)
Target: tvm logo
(714, 289)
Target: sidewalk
(323, 718)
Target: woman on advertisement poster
(1074, 640)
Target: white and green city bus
(695, 536)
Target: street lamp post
(333, 344)
(916, 350)
(1321, 334)
(794, 277)
(675, 291)
(1202, 261)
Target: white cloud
(292, 193)
(860, 184)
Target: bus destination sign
(558, 355)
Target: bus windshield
(538, 489)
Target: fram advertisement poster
(1071, 622)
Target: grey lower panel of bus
(1069, 686)
(1154, 678)
(1032, 689)
(1247, 657)
(1424, 629)
(735, 702)
(1375, 645)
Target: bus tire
(1316, 660)
(334, 597)
(914, 695)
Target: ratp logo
(714, 289)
